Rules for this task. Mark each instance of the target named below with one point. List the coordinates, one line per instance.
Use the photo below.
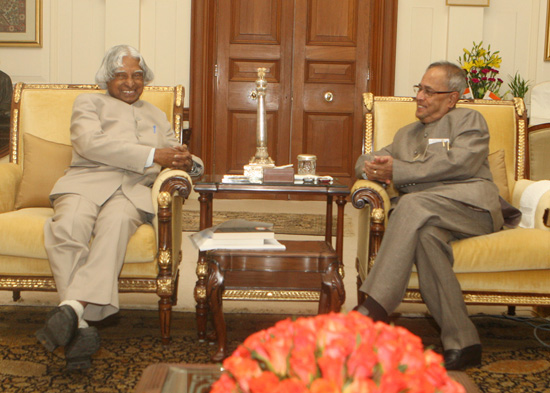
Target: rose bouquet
(481, 68)
(334, 353)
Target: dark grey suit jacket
(447, 157)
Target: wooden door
(330, 72)
(251, 34)
(318, 53)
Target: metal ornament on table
(261, 160)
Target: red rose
(225, 384)
(291, 385)
(265, 383)
(324, 386)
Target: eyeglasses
(427, 91)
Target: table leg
(340, 202)
(201, 307)
(214, 293)
(333, 293)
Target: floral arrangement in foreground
(334, 353)
(481, 68)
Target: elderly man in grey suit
(119, 145)
(439, 166)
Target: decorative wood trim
(382, 53)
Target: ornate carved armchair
(39, 153)
(510, 267)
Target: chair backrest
(540, 104)
(507, 122)
(45, 111)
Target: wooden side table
(305, 271)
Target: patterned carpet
(513, 360)
(283, 223)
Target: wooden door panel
(242, 138)
(239, 96)
(329, 72)
(332, 22)
(343, 97)
(254, 21)
(329, 136)
(245, 70)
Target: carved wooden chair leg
(165, 314)
(201, 308)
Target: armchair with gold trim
(510, 267)
(39, 153)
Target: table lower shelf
(304, 271)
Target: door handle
(329, 96)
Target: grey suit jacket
(447, 157)
(111, 142)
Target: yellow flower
(468, 66)
(467, 51)
(495, 62)
(479, 63)
(482, 52)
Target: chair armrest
(170, 190)
(10, 178)
(368, 192)
(371, 222)
(542, 206)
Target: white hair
(112, 61)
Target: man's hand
(380, 169)
(177, 157)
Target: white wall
(429, 30)
(76, 34)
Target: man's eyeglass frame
(429, 92)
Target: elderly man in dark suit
(439, 166)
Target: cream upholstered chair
(510, 267)
(39, 153)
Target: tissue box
(279, 175)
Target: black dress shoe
(60, 328)
(80, 350)
(459, 359)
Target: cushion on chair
(497, 165)
(22, 234)
(43, 163)
(498, 252)
(525, 281)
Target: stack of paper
(237, 235)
